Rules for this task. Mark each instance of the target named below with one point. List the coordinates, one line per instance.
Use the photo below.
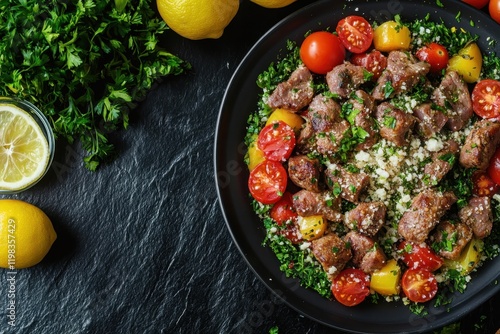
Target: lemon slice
(24, 150)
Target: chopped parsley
(84, 63)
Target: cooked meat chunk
(442, 162)
(453, 95)
(431, 120)
(480, 144)
(350, 185)
(424, 214)
(345, 79)
(304, 172)
(403, 72)
(323, 112)
(478, 216)
(366, 254)
(363, 106)
(366, 218)
(329, 142)
(450, 238)
(308, 203)
(306, 141)
(333, 254)
(324, 129)
(295, 93)
(395, 124)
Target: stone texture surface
(142, 245)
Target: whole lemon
(198, 19)
(26, 234)
(273, 3)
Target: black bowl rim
(231, 175)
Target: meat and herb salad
(374, 161)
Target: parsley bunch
(83, 63)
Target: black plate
(231, 173)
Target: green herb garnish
(83, 63)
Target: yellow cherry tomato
(255, 155)
(468, 63)
(469, 258)
(311, 227)
(290, 118)
(391, 36)
(386, 280)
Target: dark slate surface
(142, 245)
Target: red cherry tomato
(374, 62)
(435, 54)
(267, 182)
(486, 98)
(419, 285)
(321, 51)
(477, 3)
(355, 33)
(494, 167)
(494, 9)
(283, 210)
(417, 256)
(483, 185)
(277, 141)
(351, 286)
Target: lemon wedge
(24, 149)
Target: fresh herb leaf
(83, 63)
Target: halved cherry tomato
(494, 9)
(435, 54)
(355, 33)
(486, 98)
(419, 285)
(419, 256)
(277, 141)
(374, 62)
(351, 286)
(283, 210)
(321, 51)
(483, 185)
(494, 167)
(477, 3)
(267, 182)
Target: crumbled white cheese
(434, 145)
(304, 245)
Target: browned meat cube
(403, 72)
(295, 93)
(363, 105)
(366, 254)
(478, 216)
(431, 121)
(480, 144)
(308, 203)
(442, 162)
(453, 95)
(349, 185)
(366, 218)
(424, 214)
(304, 172)
(306, 141)
(345, 79)
(450, 238)
(395, 124)
(333, 254)
(323, 112)
(329, 142)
